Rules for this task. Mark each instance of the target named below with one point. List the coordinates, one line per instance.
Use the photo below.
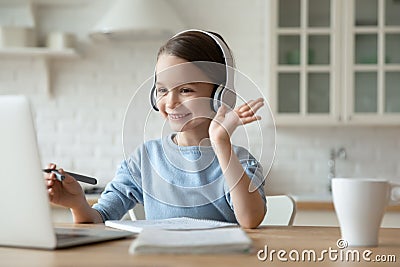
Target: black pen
(78, 177)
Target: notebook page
(182, 223)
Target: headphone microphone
(223, 93)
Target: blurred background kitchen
(330, 70)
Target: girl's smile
(175, 116)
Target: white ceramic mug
(360, 204)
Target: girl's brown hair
(195, 46)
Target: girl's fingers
(257, 103)
(50, 183)
(250, 105)
(51, 166)
(253, 110)
(250, 119)
(245, 106)
(50, 193)
(50, 177)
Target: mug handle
(394, 193)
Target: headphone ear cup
(228, 97)
(216, 98)
(153, 98)
(223, 95)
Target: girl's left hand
(225, 122)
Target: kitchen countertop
(311, 202)
(323, 202)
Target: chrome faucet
(335, 154)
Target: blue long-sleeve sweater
(174, 181)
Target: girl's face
(183, 94)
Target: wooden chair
(281, 210)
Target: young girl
(194, 172)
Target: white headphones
(225, 93)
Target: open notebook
(182, 223)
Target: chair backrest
(281, 210)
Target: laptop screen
(24, 205)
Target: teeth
(177, 116)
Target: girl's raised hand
(225, 122)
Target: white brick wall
(302, 156)
(79, 123)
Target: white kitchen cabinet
(373, 62)
(335, 62)
(43, 55)
(41, 52)
(18, 37)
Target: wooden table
(289, 239)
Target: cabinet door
(305, 56)
(373, 65)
